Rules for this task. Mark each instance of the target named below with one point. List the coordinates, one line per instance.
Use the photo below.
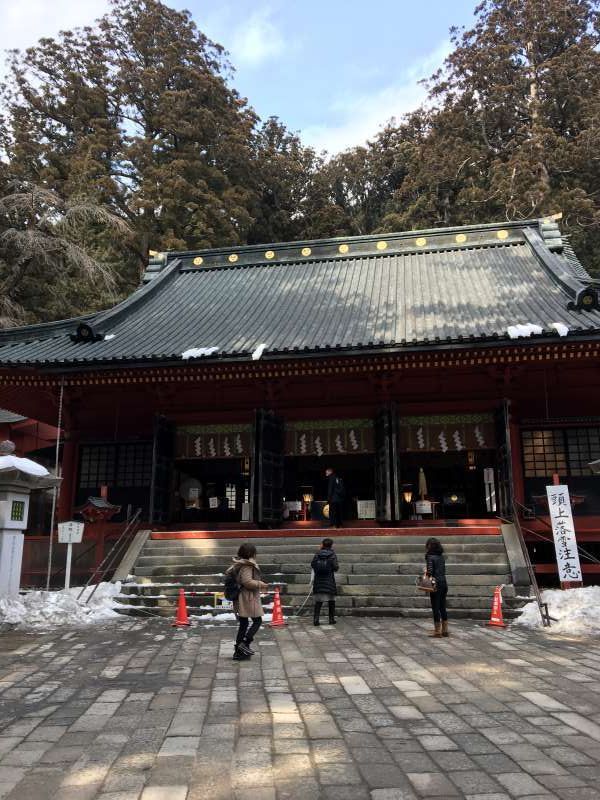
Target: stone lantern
(18, 477)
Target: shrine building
(444, 374)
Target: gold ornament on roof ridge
(306, 251)
(270, 254)
(198, 261)
(502, 234)
(461, 237)
(343, 248)
(233, 257)
(382, 245)
(421, 241)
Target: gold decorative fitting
(233, 257)
(461, 237)
(381, 245)
(198, 261)
(502, 234)
(343, 248)
(270, 254)
(421, 241)
(306, 251)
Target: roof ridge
(336, 240)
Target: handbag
(426, 584)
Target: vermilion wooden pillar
(517, 462)
(70, 454)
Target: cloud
(257, 40)
(23, 23)
(358, 117)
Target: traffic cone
(181, 617)
(496, 619)
(277, 620)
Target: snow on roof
(25, 465)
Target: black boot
(332, 612)
(239, 654)
(245, 647)
(317, 613)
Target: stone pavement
(368, 710)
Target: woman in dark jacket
(436, 568)
(324, 565)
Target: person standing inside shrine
(335, 497)
(435, 566)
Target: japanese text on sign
(565, 544)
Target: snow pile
(227, 617)
(516, 331)
(575, 609)
(257, 354)
(198, 352)
(48, 610)
(560, 328)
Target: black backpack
(232, 587)
(322, 566)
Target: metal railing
(543, 607)
(116, 551)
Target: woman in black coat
(436, 568)
(324, 565)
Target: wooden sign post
(69, 533)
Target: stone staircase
(376, 578)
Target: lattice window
(123, 465)
(97, 466)
(134, 464)
(583, 446)
(566, 451)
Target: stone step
(377, 573)
(299, 558)
(285, 569)
(355, 590)
(455, 550)
(197, 605)
(291, 579)
(312, 542)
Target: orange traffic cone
(277, 620)
(496, 619)
(181, 617)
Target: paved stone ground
(368, 710)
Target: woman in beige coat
(247, 605)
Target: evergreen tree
(187, 136)
(513, 127)
(47, 268)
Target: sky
(333, 70)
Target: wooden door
(163, 453)
(267, 468)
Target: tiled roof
(415, 289)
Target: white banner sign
(565, 544)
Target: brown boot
(445, 628)
(437, 631)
